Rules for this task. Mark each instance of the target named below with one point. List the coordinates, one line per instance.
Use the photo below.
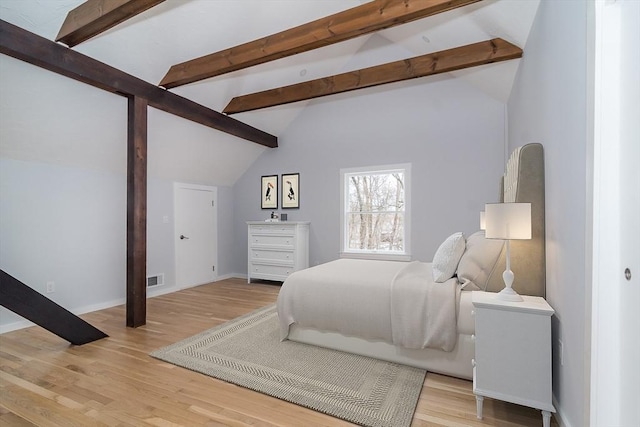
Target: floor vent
(157, 280)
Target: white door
(615, 366)
(195, 234)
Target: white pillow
(445, 261)
(479, 260)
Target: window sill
(376, 256)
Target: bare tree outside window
(376, 211)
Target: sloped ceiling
(177, 30)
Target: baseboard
(232, 276)
(14, 326)
(22, 324)
(558, 415)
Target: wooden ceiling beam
(96, 16)
(351, 23)
(444, 61)
(26, 46)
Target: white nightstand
(513, 352)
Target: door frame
(604, 379)
(214, 191)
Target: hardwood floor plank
(114, 382)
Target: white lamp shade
(508, 221)
(483, 225)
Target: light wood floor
(45, 381)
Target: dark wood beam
(421, 66)
(96, 16)
(351, 23)
(26, 46)
(137, 212)
(32, 305)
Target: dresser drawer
(271, 255)
(272, 229)
(271, 240)
(271, 271)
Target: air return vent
(157, 280)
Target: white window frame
(345, 252)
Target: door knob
(182, 237)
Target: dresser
(277, 249)
(513, 352)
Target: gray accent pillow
(478, 261)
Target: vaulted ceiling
(174, 31)
(48, 118)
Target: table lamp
(508, 221)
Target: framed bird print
(269, 192)
(290, 191)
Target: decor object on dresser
(508, 221)
(247, 351)
(277, 249)
(291, 191)
(269, 192)
(513, 352)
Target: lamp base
(508, 294)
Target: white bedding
(396, 302)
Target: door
(615, 367)
(195, 234)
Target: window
(375, 208)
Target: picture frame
(290, 191)
(269, 192)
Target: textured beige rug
(247, 351)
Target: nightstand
(513, 352)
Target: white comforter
(396, 302)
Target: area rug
(247, 351)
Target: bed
(418, 313)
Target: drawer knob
(473, 337)
(473, 362)
(473, 313)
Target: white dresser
(513, 352)
(277, 249)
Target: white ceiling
(178, 30)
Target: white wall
(65, 225)
(63, 187)
(452, 134)
(548, 105)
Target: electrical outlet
(51, 287)
(561, 351)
